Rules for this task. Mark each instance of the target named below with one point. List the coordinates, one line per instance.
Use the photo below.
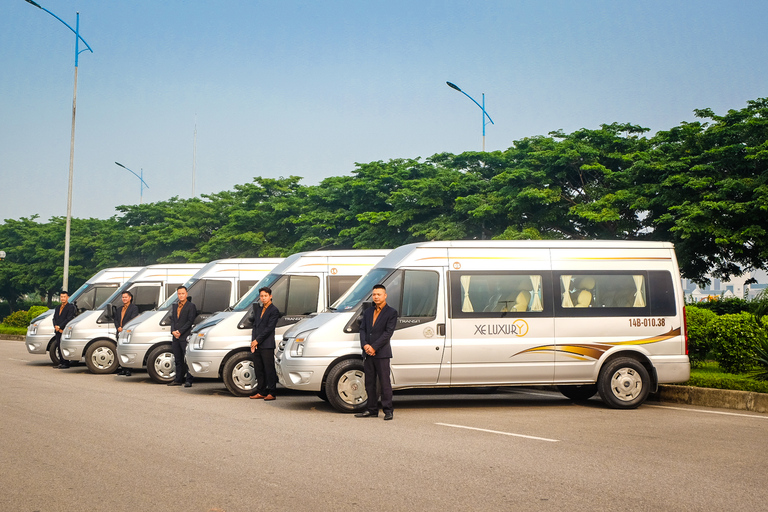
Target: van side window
(103, 293)
(497, 294)
(303, 293)
(337, 285)
(419, 294)
(603, 291)
(243, 287)
(216, 297)
(662, 293)
(145, 297)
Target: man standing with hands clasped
(61, 316)
(265, 317)
(122, 317)
(183, 314)
(376, 331)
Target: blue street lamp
(141, 179)
(78, 38)
(482, 107)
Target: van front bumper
(205, 363)
(305, 374)
(38, 343)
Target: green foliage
(4, 329)
(699, 322)
(16, 319)
(729, 306)
(35, 311)
(761, 360)
(702, 185)
(734, 340)
(710, 376)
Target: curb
(709, 397)
(12, 337)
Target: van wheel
(52, 349)
(161, 365)
(101, 357)
(624, 383)
(345, 386)
(579, 393)
(239, 376)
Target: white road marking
(709, 412)
(499, 432)
(21, 360)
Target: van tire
(624, 383)
(101, 357)
(345, 386)
(578, 393)
(161, 365)
(52, 346)
(239, 375)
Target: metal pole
(482, 107)
(67, 236)
(483, 122)
(141, 190)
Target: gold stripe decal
(595, 351)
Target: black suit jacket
(183, 321)
(67, 314)
(130, 313)
(379, 335)
(264, 326)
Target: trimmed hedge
(699, 322)
(16, 319)
(734, 340)
(730, 306)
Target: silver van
(92, 335)
(586, 316)
(145, 342)
(94, 291)
(302, 285)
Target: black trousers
(378, 369)
(264, 368)
(63, 361)
(179, 349)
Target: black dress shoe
(174, 383)
(187, 384)
(63, 366)
(127, 373)
(389, 416)
(366, 414)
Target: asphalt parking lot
(75, 441)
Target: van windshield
(361, 290)
(253, 295)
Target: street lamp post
(141, 179)
(78, 38)
(482, 107)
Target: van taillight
(685, 330)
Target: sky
(237, 89)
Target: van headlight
(199, 340)
(68, 333)
(297, 347)
(126, 337)
(32, 329)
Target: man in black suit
(122, 317)
(183, 314)
(376, 329)
(61, 317)
(265, 317)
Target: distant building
(734, 287)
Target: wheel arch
(230, 355)
(153, 347)
(334, 363)
(638, 356)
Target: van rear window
(603, 291)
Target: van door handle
(441, 329)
